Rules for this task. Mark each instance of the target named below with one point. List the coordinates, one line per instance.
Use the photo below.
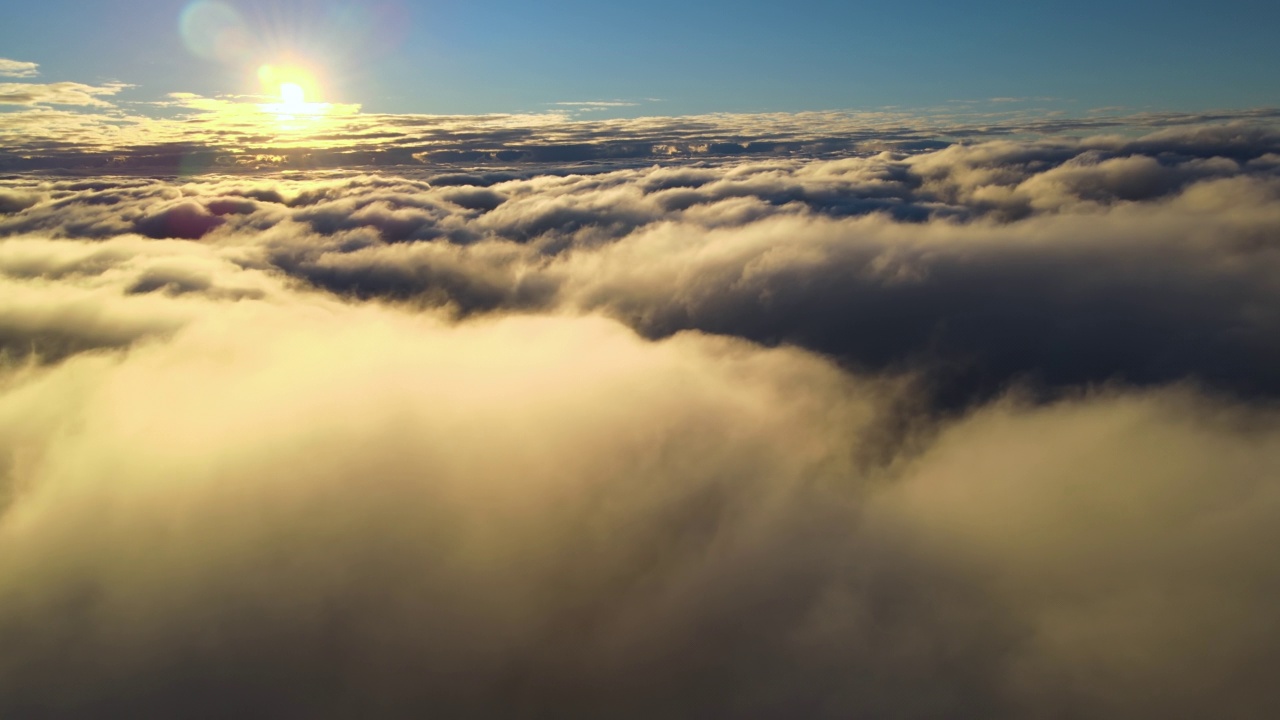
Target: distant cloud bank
(72, 126)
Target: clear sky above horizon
(671, 58)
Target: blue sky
(674, 58)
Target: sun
(295, 88)
(292, 95)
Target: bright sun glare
(296, 89)
(292, 95)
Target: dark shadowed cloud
(319, 509)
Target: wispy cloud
(18, 68)
(593, 106)
(1022, 99)
(599, 103)
(61, 93)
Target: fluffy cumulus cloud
(1050, 263)
(979, 429)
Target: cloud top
(319, 507)
(802, 420)
(1044, 263)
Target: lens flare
(214, 31)
(290, 83)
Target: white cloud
(978, 431)
(599, 103)
(18, 68)
(557, 498)
(62, 93)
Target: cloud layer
(187, 133)
(982, 430)
(1051, 263)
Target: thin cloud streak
(61, 93)
(18, 68)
